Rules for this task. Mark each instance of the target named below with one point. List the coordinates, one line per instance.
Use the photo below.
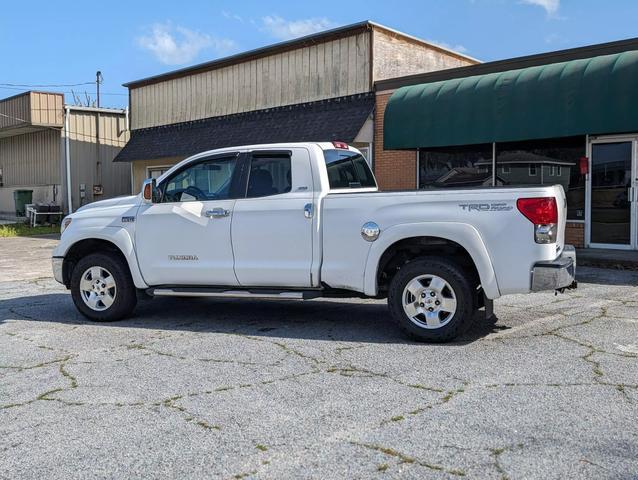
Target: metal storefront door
(612, 191)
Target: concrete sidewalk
(608, 258)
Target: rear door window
(348, 169)
(270, 174)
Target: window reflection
(546, 162)
(466, 166)
(535, 162)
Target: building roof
(510, 64)
(293, 44)
(326, 120)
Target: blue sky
(65, 42)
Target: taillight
(543, 213)
(341, 145)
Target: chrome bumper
(56, 263)
(557, 274)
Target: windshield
(348, 169)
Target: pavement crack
(495, 455)
(37, 365)
(404, 458)
(449, 395)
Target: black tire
(457, 279)
(125, 297)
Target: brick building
(565, 117)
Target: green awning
(590, 96)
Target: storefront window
(454, 167)
(545, 162)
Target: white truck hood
(130, 200)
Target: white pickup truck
(305, 220)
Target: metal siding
(31, 159)
(86, 152)
(335, 68)
(15, 111)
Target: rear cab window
(348, 170)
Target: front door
(184, 238)
(613, 193)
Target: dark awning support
(325, 120)
(590, 96)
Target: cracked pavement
(199, 388)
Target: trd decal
(486, 207)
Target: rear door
(272, 227)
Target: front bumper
(56, 263)
(557, 274)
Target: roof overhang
(590, 96)
(339, 118)
(30, 112)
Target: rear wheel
(102, 288)
(431, 299)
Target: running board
(219, 293)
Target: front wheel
(102, 288)
(431, 299)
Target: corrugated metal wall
(47, 108)
(36, 108)
(92, 159)
(329, 69)
(31, 159)
(16, 109)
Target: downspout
(493, 164)
(67, 158)
(127, 127)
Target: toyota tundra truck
(306, 220)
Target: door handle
(217, 213)
(307, 210)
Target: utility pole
(98, 81)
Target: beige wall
(93, 146)
(396, 55)
(330, 69)
(41, 194)
(36, 161)
(140, 168)
(31, 159)
(31, 108)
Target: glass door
(612, 193)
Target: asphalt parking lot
(324, 389)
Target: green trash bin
(21, 199)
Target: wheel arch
(119, 243)
(402, 243)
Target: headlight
(66, 221)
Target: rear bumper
(557, 274)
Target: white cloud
(550, 6)
(232, 16)
(456, 48)
(178, 45)
(287, 29)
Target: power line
(46, 85)
(61, 129)
(67, 92)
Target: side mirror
(149, 191)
